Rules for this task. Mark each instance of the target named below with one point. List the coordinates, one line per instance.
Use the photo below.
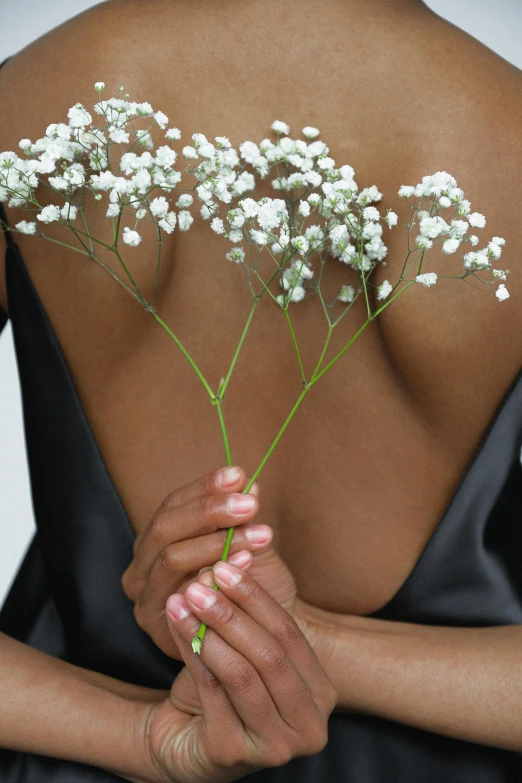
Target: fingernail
(228, 477)
(238, 504)
(258, 534)
(201, 596)
(177, 607)
(227, 573)
(240, 559)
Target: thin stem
(325, 346)
(188, 356)
(224, 385)
(303, 376)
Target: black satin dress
(67, 598)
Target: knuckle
(316, 737)
(169, 559)
(278, 754)
(157, 526)
(242, 677)
(207, 508)
(226, 614)
(273, 659)
(288, 632)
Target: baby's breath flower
(500, 273)
(499, 241)
(502, 293)
(49, 214)
(173, 134)
(165, 156)
(249, 151)
(159, 207)
(185, 220)
(299, 292)
(384, 290)
(371, 213)
(118, 135)
(99, 86)
(185, 200)
(235, 235)
(25, 145)
(301, 244)
(237, 254)
(346, 294)
(392, 219)
(78, 116)
(130, 237)
(304, 208)
(406, 191)
(113, 210)
(477, 220)
(26, 227)
(423, 242)
(427, 279)
(432, 227)
(310, 132)
(168, 223)
(217, 225)
(280, 127)
(451, 246)
(314, 199)
(473, 238)
(464, 207)
(444, 202)
(161, 119)
(495, 250)
(477, 260)
(69, 212)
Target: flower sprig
(317, 215)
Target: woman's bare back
(388, 432)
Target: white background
(497, 23)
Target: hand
(188, 533)
(260, 695)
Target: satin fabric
(67, 598)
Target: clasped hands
(259, 689)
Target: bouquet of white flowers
(319, 213)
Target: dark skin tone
(383, 439)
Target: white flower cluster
(319, 209)
(442, 192)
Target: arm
(460, 682)
(56, 709)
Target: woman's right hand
(258, 695)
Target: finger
(258, 652)
(242, 684)
(218, 712)
(228, 479)
(243, 591)
(196, 518)
(149, 609)
(183, 560)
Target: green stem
(303, 376)
(224, 385)
(325, 346)
(188, 356)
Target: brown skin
(384, 438)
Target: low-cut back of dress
(67, 598)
